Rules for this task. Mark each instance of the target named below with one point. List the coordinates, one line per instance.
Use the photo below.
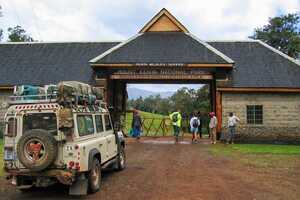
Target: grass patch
(1, 158)
(261, 149)
(261, 155)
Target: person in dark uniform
(200, 126)
(136, 124)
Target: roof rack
(31, 99)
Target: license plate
(8, 155)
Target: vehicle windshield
(46, 121)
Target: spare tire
(37, 149)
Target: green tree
(18, 34)
(282, 33)
(187, 100)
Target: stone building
(258, 83)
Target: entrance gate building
(162, 52)
(248, 77)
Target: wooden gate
(159, 127)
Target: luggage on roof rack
(65, 93)
(78, 93)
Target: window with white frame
(254, 114)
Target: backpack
(195, 123)
(175, 117)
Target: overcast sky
(110, 20)
(86, 20)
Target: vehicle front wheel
(121, 160)
(94, 176)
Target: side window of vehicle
(107, 123)
(12, 127)
(85, 125)
(99, 123)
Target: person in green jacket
(176, 122)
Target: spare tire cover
(37, 149)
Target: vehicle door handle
(108, 141)
(100, 145)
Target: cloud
(69, 20)
(228, 19)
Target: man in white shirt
(232, 122)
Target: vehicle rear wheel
(94, 176)
(121, 160)
(37, 149)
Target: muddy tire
(37, 159)
(121, 159)
(94, 176)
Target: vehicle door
(110, 136)
(101, 135)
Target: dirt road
(167, 171)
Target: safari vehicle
(58, 136)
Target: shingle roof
(44, 63)
(41, 63)
(259, 65)
(163, 47)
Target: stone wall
(281, 116)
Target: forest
(186, 99)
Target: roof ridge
(279, 52)
(245, 40)
(59, 42)
(211, 48)
(114, 48)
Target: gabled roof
(163, 21)
(260, 65)
(40, 63)
(163, 47)
(256, 64)
(162, 40)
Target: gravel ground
(161, 170)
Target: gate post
(219, 111)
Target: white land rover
(46, 142)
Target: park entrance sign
(161, 74)
(162, 52)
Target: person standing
(176, 122)
(136, 124)
(232, 122)
(194, 124)
(213, 127)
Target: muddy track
(167, 171)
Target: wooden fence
(157, 127)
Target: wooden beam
(209, 65)
(113, 65)
(6, 87)
(192, 65)
(219, 110)
(162, 77)
(290, 90)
